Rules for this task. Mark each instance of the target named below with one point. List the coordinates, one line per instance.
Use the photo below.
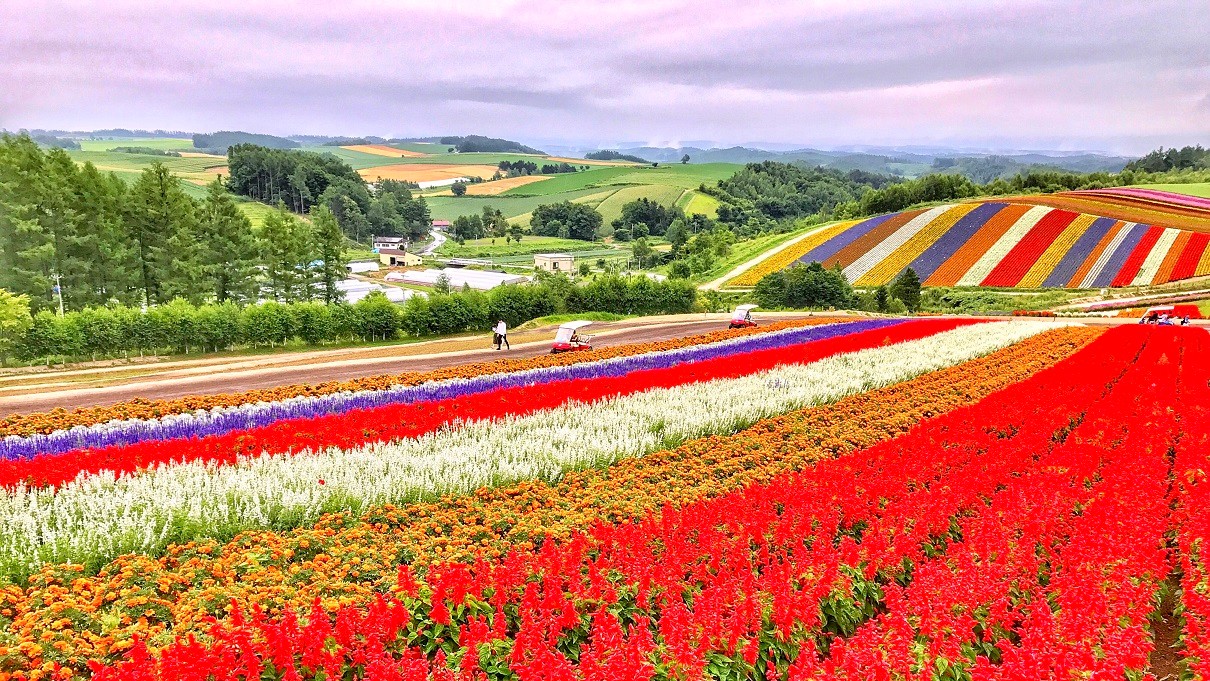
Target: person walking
(502, 335)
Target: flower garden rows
(1132, 204)
(22, 425)
(1023, 536)
(289, 473)
(1004, 244)
(66, 614)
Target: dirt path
(289, 369)
(744, 267)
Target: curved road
(160, 387)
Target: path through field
(249, 373)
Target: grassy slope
(449, 207)
(165, 143)
(744, 251)
(566, 182)
(484, 248)
(611, 208)
(1200, 189)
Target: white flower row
(97, 517)
(1102, 260)
(868, 260)
(995, 254)
(1155, 258)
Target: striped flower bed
(1019, 244)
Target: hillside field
(1006, 243)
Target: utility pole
(59, 291)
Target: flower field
(1087, 239)
(884, 498)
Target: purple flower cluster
(219, 422)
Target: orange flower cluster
(65, 616)
(46, 422)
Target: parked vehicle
(569, 339)
(742, 317)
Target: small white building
(356, 289)
(396, 242)
(554, 262)
(476, 279)
(362, 266)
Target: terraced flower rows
(873, 499)
(1014, 244)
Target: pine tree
(329, 242)
(230, 250)
(27, 259)
(101, 240)
(287, 251)
(161, 222)
(906, 288)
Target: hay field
(384, 150)
(501, 186)
(425, 172)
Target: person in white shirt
(502, 335)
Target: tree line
(1163, 160)
(519, 168)
(813, 286)
(74, 232)
(181, 326)
(302, 180)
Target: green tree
(161, 221)
(580, 221)
(680, 269)
(15, 321)
(882, 298)
(458, 188)
(329, 242)
(230, 250)
(28, 255)
(643, 253)
(287, 256)
(685, 159)
(906, 288)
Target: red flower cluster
(1020, 537)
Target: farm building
(554, 262)
(395, 242)
(441, 224)
(362, 266)
(476, 279)
(393, 257)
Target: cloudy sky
(1115, 75)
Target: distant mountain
(335, 141)
(903, 162)
(219, 142)
(476, 144)
(111, 132)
